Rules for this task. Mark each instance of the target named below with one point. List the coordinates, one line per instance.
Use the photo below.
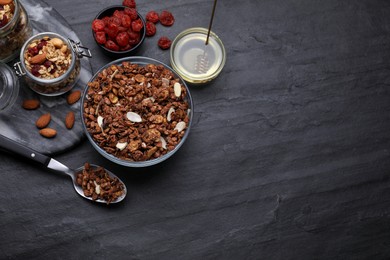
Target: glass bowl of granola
(50, 63)
(137, 111)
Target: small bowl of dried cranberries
(119, 30)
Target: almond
(5, 2)
(73, 97)
(38, 59)
(43, 121)
(69, 120)
(31, 104)
(48, 132)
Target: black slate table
(288, 157)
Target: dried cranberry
(129, 3)
(111, 45)
(112, 30)
(47, 64)
(150, 29)
(118, 13)
(100, 37)
(134, 37)
(4, 21)
(132, 13)
(98, 25)
(122, 39)
(126, 21)
(41, 44)
(164, 43)
(35, 70)
(54, 69)
(116, 20)
(166, 18)
(33, 50)
(152, 16)
(137, 25)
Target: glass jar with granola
(15, 29)
(50, 63)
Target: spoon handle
(17, 148)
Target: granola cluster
(97, 184)
(135, 112)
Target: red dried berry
(129, 3)
(164, 43)
(111, 45)
(35, 70)
(132, 13)
(112, 30)
(126, 21)
(33, 50)
(134, 37)
(150, 29)
(122, 39)
(98, 25)
(137, 25)
(152, 16)
(100, 37)
(166, 18)
(118, 13)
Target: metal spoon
(15, 147)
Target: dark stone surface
(288, 157)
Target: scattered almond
(43, 121)
(69, 120)
(38, 59)
(31, 104)
(73, 97)
(48, 132)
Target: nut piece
(69, 120)
(31, 104)
(73, 97)
(38, 59)
(57, 42)
(5, 2)
(134, 117)
(180, 126)
(48, 132)
(43, 121)
(177, 89)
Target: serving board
(17, 123)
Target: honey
(195, 61)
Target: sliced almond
(121, 146)
(180, 126)
(177, 89)
(163, 143)
(165, 82)
(170, 111)
(100, 122)
(134, 117)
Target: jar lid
(9, 87)
(196, 61)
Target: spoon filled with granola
(90, 181)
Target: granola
(134, 113)
(6, 13)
